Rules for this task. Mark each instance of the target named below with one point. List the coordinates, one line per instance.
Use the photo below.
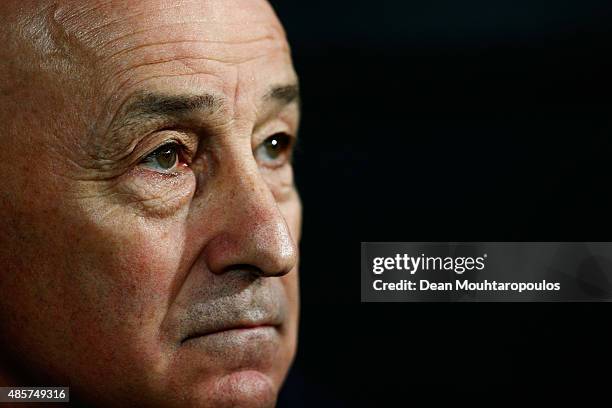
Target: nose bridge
(248, 195)
(254, 231)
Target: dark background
(448, 121)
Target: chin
(246, 388)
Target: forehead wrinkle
(192, 36)
(131, 81)
(184, 54)
(98, 28)
(183, 60)
(100, 24)
(184, 50)
(78, 20)
(159, 69)
(40, 28)
(49, 38)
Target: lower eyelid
(155, 175)
(275, 165)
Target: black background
(448, 121)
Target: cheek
(125, 283)
(136, 266)
(92, 295)
(291, 285)
(138, 245)
(280, 181)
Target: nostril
(253, 272)
(250, 271)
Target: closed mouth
(237, 328)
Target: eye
(165, 159)
(275, 150)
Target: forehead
(229, 48)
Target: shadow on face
(149, 217)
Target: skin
(134, 285)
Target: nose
(252, 233)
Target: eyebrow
(153, 104)
(285, 94)
(148, 106)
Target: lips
(271, 323)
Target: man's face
(149, 218)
